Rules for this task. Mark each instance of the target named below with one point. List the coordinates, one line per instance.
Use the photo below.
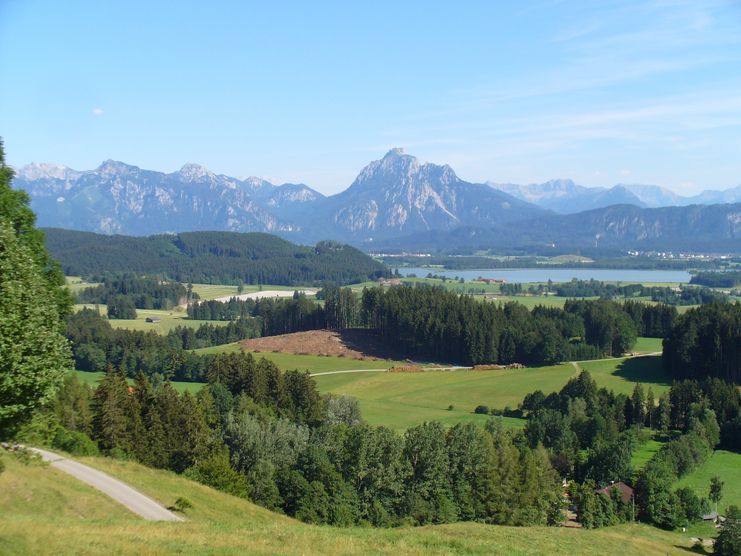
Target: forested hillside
(212, 257)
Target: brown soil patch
(353, 344)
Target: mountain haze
(566, 197)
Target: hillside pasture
(46, 513)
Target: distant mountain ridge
(618, 228)
(391, 196)
(566, 197)
(120, 198)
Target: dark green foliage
(142, 292)
(121, 307)
(276, 316)
(217, 473)
(213, 257)
(432, 322)
(33, 353)
(727, 279)
(692, 506)
(730, 435)
(728, 542)
(15, 212)
(706, 342)
(291, 394)
(74, 442)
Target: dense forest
(213, 257)
(432, 322)
(706, 342)
(726, 279)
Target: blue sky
(601, 92)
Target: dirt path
(120, 492)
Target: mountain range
(392, 196)
(395, 201)
(565, 197)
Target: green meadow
(727, 466)
(400, 400)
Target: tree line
(434, 323)
(725, 279)
(144, 292)
(684, 295)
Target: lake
(527, 275)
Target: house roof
(626, 493)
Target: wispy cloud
(98, 111)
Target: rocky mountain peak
(194, 172)
(40, 171)
(114, 168)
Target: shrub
(481, 410)
(181, 504)
(217, 473)
(75, 443)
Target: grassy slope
(44, 513)
(727, 465)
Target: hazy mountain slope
(119, 198)
(714, 228)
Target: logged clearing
(352, 344)
(46, 513)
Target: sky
(600, 92)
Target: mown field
(47, 512)
(399, 400)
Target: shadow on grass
(646, 370)
(693, 549)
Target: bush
(75, 443)
(181, 504)
(481, 410)
(217, 473)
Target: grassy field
(212, 291)
(726, 465)
(648, 345)
(46, 512)
(400, 400)
(621, 375)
